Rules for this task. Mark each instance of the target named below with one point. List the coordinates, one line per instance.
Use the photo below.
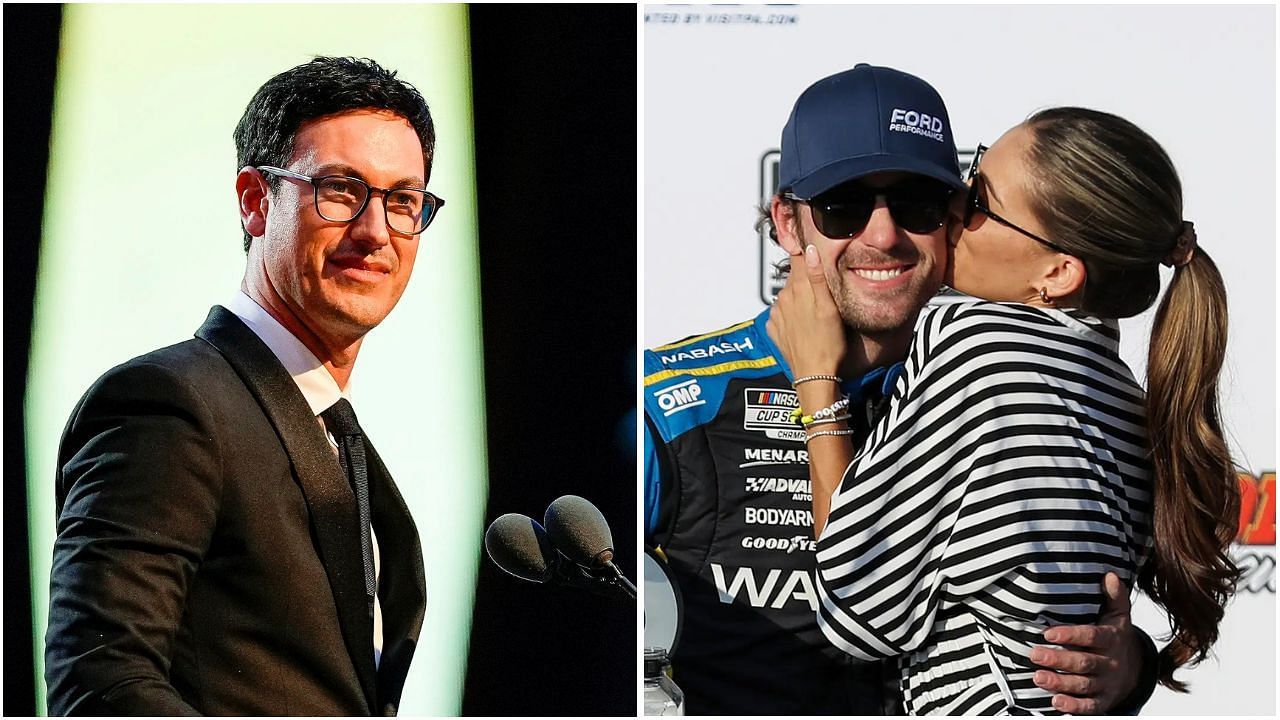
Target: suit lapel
(334, 516)
(402, 586)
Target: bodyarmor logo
(798, 587)
(776, 516)
(679, 397)
(768, 410)
(708, 351)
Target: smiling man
(228, 540)
(867, 173)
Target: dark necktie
(340, 420)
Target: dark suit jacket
(208, 552)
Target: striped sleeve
(994, 490)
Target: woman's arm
(806, 325)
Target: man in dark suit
(228, 542)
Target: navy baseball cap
(863, 121)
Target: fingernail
(1037, 655)
(1059, 702)
(811, 256)
(1041, 677)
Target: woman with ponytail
(1020, 460)
(1107, 193)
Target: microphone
(521, 547)
(579, 531)
(518, 544)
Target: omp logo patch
(679, 397)
(768, 410)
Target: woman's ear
(1065, 277)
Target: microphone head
(518, 544)
(579, 530)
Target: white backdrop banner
(719, 82)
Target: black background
(554, 93)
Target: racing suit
(727, 502)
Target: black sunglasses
(974, 203)
(918, 205)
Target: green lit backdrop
(141, 236)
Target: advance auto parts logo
(1255, 551)
(771, 254)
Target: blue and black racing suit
(727, 501)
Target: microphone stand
(605, 584)
(620, 581)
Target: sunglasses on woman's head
(918, 205)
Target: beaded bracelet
(798, 415)
(827, 421)
(810, 378)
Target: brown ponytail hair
(1107, 192)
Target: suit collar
(308, 373)
(331, 503)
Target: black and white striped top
(1007, 478)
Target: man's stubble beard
(860, 319)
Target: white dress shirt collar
(317, 385)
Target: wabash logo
(797, 587)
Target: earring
(1044, 297)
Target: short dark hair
(324, 86)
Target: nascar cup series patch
(768, 410)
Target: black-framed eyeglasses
(340, 198)
(918, 205)
(974, 204)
